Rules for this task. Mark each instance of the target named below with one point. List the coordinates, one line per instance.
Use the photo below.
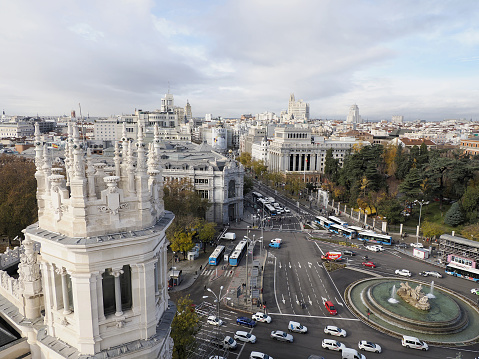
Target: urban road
(295, 287)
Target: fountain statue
(414, 297)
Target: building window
(203, 193)
(109, 292)
(232, 189)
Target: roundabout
(432, 313)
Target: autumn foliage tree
(18, 205)
(185, 325)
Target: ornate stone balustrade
(10, 288)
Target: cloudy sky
(419, 59)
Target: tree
(18, 206)
(182, 242)
(247, 184)
(470, 203)
(185, 325)
(206, 232)
(471, 232)
(245, 159)
(391, 209)
(454, 216)
(258, 167)
(331, 166)
(411, 186)
(181, 199)
(389, 155)
(431, 229)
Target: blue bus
(344, 231)
(337, 221)
(323, 222)
(217, 256)
(467, 273)
(237, 255)
(372, 237)
(256, 196)
(270, 208)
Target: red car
(369, 264)
(330, 307)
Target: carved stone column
(116, 274)
(30, 281)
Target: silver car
(281, 336)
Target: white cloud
(232, 57)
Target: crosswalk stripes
(226, 273)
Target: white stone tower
(103, 255)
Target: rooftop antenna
(168, 87)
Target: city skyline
(227, 58)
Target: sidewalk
(191, 270)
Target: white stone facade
(292, 151)
(299, 110)
(102, 274)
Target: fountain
(393, 299)
(431, 295)
(443, 318)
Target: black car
(349, 252)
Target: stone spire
(117, 160)
(157, 140)
(78, 163)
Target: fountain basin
(452, 320)
(445, 315)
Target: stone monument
(414, 297)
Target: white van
(296, 327)
(349, 353)
(229, 235)
(413, 342)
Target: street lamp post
(421, 202)
(218, 299)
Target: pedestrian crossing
(218, 272)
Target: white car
(369, 347)
(245, 337)
(417, 245)
(432, 273)
(287, 210)
(332, 344)
(403, 272)
(333, 330)
(261, 317)
(373, 248)
(475, 291)
(214, 321)
(259, 355)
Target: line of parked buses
(338, 226)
